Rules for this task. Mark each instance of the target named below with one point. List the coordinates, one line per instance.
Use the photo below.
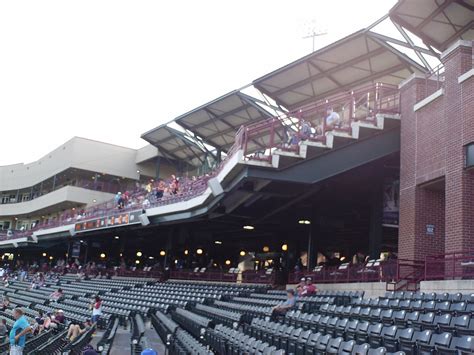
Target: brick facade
(435, 189)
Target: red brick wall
(432, 149)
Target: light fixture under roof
(217, 242)
(248, 227)
(304, 221)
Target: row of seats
(417, 305)
(193, 323)
(107, 339)
(430, 296)
(298, 341)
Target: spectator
(293, 140)
(77, 329)
(42, 322)
(332, 119)
(20, 328)
(96, 309)
(5, 303)
(305, 130)
(56, 296)
(58, 318)
(284, 307)
(309, 288)
(160, 189)
(301, 286)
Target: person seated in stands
(305, 130)
(42, 322)
(77, 329)
(332, 119)
(301, 286)
(56, 296)
(58, 319)
(20, 328)
(5, 303)
(293, 140)
(309, 288)
(284, 307)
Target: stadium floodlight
(284, 247)
(186, 252)
(102, 255)
(266, 249)
(242, 253)
(44, 254)
(304, 221)
(139, 253)
(199, 251)
(162, 253)
(227, 262)
(218, 242)
(249, 227)
(312, 30)
(137, 262)
(117, 237)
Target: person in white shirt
(333, 119)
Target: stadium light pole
(313, 31)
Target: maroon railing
(385, 271)
(450, 266)
(363, 104)
(208, 275)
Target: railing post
(454, 265)
(272, 132)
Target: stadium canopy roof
(438, 23)
(217, 122)
(359, 59)
(176, 145)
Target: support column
(157, 167)
(459, 182)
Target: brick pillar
(459, 182)
(415, 202)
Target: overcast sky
(110, 70)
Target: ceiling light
(284, 247)
(266, 249)
(227, 262)
(162, 253)
(218, 242)
(304, 221)
(242, 253)
(249, 227)
(139, 253)
(199, 251)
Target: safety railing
(450, 266)
(311, 122)
(204, 275)
(372, 271)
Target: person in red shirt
(301, 286)
(309, 288)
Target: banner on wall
(391, 203)
(76, 250)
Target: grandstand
(240, 198)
